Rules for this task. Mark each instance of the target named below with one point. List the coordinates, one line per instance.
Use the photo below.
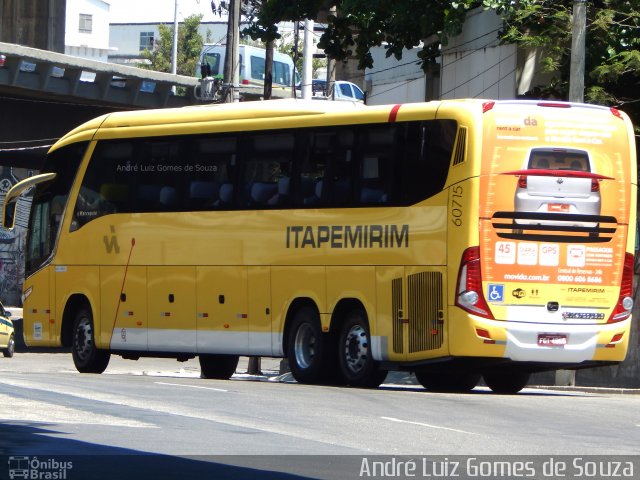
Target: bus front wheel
(357, 364)
(218, 367)
(506, 381)
(86, 356)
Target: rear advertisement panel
(555, 203)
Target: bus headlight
(26, 294)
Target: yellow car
(7, 337)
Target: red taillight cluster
(624, 306)
(469, 294)
(522, 181)
(595, 183)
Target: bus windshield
(49, 201)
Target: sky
(153, 11)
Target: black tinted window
(343, 166)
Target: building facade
(87, 29)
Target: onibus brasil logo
(38, 469)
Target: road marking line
(191, 386)
(428, 425)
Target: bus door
(123, 295)
(39, 298)
(171, 297)
(222, 316)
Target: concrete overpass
(45, 94)
(41, 73)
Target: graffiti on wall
(12, 242)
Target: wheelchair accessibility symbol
(496, 292)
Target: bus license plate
(552, 340)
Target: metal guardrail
(62, 75)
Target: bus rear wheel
(355, 357)
(447, 380)
(218, 367)
(86, 356)
(506, 381)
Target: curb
(585, 389)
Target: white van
(252, 60)
(340, 90)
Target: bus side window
(267, 171)
(105, 186)
(212, 173)
(376, 175)
(318, 149)
(428, 149)
(341, 171)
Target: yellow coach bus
(455, 239)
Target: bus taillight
(625, 300)
(470, 296)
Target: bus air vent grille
(425, 311)
(396, 305)
(461, 146)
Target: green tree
(189, 46)
(363, 24)
(612, 46)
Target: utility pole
(307, 59)
(231, 74)
(268, 69)
(578, 34)
(174, 52)
(331, 64)
(576, 94)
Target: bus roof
(140, 122)
(270, 114)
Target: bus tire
(86, 356)
(306, 348)
(11, 347)
(447, 380)
(506, 381)
(218, 367)
(356, 361)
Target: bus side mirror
(11, 199)
(9, 213)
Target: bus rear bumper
(552, 343)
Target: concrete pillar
(34, 23)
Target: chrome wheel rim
(305, 346)
(356, 349)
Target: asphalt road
(161, 407)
